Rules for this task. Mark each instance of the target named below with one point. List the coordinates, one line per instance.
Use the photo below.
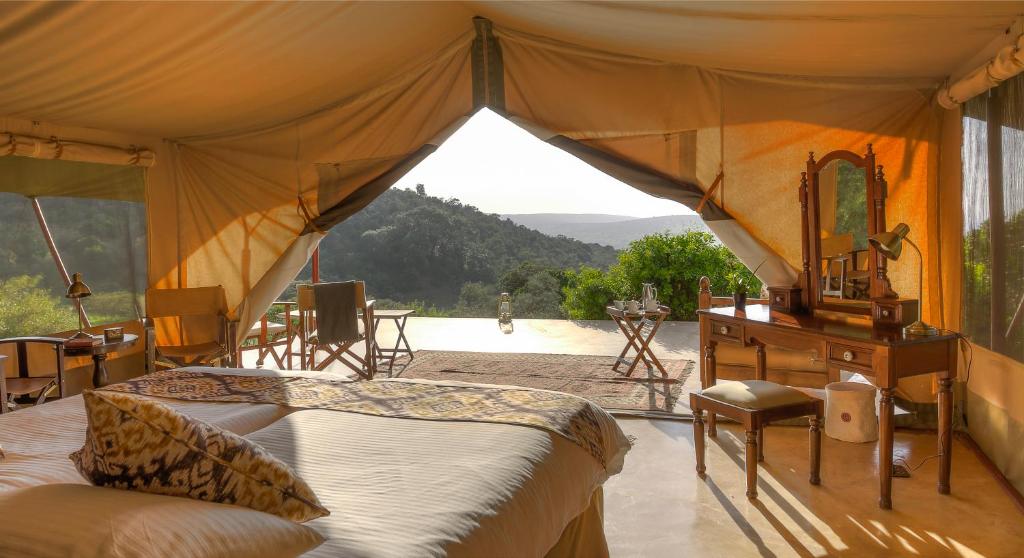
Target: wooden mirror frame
(874, 178)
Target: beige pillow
(135, 443)
(82, 521)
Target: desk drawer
(845, 354)
(726, 331)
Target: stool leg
(815, 435)
(760, 443)
(751, 464)
(698, 440)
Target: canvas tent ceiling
(250, 107)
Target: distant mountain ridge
(616, 231)
(408, 246)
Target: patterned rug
(587, 376)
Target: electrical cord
(968, 351)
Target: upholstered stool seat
(755, 394)
(754, 404)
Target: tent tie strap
(303, 212)
(58, 147)
(710, 192)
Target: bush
(673, 263)
(27, 309)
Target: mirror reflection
(843, 219)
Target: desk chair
(25, 384)
(197, 318)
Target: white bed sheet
(395, 487)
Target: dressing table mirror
(842, 203)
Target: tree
(28, 309)
(421, 189)
(477, 300)
(673, 263)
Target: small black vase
(739, 300)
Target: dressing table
(855, 327)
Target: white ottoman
(850, 412)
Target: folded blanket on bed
(566, 415)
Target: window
(993, 209)
(102, 236)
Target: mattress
(395, 486)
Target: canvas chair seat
(211, 349)
(25, 386)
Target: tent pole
(56, 255)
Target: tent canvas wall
(270, 122)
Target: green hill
(410, 246)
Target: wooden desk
(99, 354)
(883, 355)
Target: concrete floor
(657, 507)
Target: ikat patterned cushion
(136, 443)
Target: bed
(395, 486)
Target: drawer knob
(724, 330)
(885, 313)
(848, 356)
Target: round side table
(99, 356)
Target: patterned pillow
(134, 443)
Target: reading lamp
(78, 290)
(890, 245)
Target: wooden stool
(754, 404)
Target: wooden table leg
(945, 433)
(698, 440)
(99, 371)
(629, 343)
(710, 373)
(402, 338)
(751, 464)
(761, 364)
(815, 444)
(885, 444)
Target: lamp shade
(890, 243)
(78, 288)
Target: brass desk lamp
(890, 245)
(78, 290)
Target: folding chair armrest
(149, 333)
(231, 336)
(20, 340)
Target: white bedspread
(395, 487)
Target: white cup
(619, 304)
(632, 306)
(652, 305)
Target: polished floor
(658, 507)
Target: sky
(500, 168)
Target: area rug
(587, 376)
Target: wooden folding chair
(196, 318)
(363, 363)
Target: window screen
(102, 236)
(993, 208)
